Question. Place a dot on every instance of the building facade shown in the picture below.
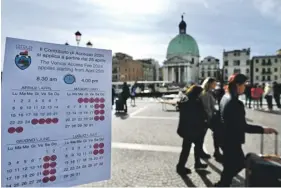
(266, 69)
(150, 69)
(156, 70)
(209, 67)
(124, 68)
(278, 52)
(182, 59)
(236, 61)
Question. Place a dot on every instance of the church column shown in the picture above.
(179, 70)
(184, 74)
(164, 73)
(173, 74)
(189, 73)
(167, 74)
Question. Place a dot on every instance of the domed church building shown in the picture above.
(182, 59)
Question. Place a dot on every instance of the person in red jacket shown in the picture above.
(256, 94)
(260, 93)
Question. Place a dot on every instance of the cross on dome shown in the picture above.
(182, 26)
(182, 45)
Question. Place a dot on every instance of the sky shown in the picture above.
(144, 28)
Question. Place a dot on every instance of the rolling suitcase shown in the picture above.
(119, 105)
(263, 170)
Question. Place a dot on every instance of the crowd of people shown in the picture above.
(218, 108)
(256, 93)
(198, 113)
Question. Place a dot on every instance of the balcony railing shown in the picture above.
(266, 80)
(266, 63)
(266, 72)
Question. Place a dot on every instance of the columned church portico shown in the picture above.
(180, 73)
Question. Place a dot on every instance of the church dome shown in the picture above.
(182, 44)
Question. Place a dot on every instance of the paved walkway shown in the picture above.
(145, 148)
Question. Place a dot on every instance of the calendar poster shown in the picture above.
(56, 114)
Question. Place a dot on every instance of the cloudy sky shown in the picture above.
(143, 28)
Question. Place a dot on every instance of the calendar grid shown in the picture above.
(56, 125)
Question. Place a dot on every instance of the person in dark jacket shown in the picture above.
(276, 94)
(113, 95)
(133, 94)
(192, 122)
(248, 96)
(234, 129)
(219, 92)
(125, 94)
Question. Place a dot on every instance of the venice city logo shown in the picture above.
(23, 60)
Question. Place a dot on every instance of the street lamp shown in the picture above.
(78, 37)
(66, 44)
(89, 44)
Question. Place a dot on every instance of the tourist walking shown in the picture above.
(276, 94)
(235, 126)
(125, 95)
(261, 91)
(113, 95)
(248, 97)
(268, 93)
(192, 123)
(256, 94)
(133, 94)
(219, 92)
(209, 103)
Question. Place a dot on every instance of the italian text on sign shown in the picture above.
(56, 114)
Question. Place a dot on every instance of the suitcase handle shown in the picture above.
(275, 144)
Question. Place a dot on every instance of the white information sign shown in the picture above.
(56, 114)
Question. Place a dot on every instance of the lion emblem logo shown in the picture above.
(23, 60)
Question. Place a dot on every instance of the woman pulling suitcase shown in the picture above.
(235, 127)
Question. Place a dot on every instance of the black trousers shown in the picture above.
(186, 146)
(217, 140)
(277, 100)
(125, 104)
(269, 102)
(233, 163)
(261, 99)
(248, 100)
(201, 141)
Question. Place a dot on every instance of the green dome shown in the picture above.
(182, 44)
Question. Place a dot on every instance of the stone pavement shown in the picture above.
(145, 148)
